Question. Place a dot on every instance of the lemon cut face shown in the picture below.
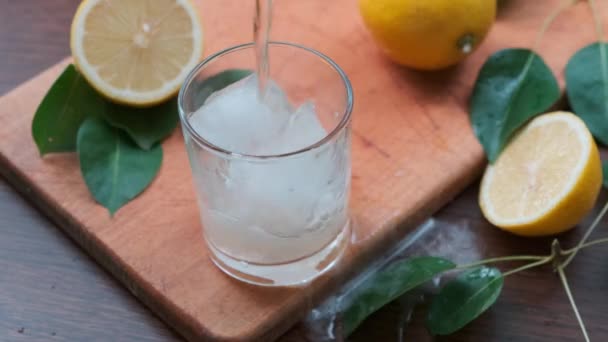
(546, 180)
(136, 52)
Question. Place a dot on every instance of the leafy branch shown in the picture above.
(463, 299)
(118, 147)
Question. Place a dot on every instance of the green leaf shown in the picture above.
(114, 169)
(605, 173)
(146, 126)
(68, 102)
(390, 284)
(587, 87)
(218, 82)
(464, 299)
(513, 86)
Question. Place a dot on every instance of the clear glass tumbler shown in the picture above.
(279, 219)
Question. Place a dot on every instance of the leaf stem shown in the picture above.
(501, 259)
(543, 261)
(586, 236)
(550, 19)
(562, 276)
(597, 20)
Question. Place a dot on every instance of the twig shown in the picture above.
(585, 245)
(586, 236)
(545, 260)
(501, 259)
(562, 276)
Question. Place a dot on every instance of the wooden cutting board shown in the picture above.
(413, 151)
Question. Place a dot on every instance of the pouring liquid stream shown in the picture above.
(261, 30)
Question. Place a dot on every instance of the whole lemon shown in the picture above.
(428, 34)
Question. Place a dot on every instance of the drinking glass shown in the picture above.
(282, 219)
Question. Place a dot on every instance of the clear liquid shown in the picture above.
(261, 30)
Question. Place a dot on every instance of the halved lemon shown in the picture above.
(136, 52)
(546, 180)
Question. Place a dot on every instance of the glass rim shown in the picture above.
(346, 115)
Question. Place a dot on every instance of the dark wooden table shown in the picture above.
(51, 291)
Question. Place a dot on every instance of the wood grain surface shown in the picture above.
(29, 310)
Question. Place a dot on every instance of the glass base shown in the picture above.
(295, 273)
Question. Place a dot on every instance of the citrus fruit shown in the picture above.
(136, 52)
(545, 180)
(428, 34)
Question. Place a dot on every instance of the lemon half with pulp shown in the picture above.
(546, 180)
(136, 52)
